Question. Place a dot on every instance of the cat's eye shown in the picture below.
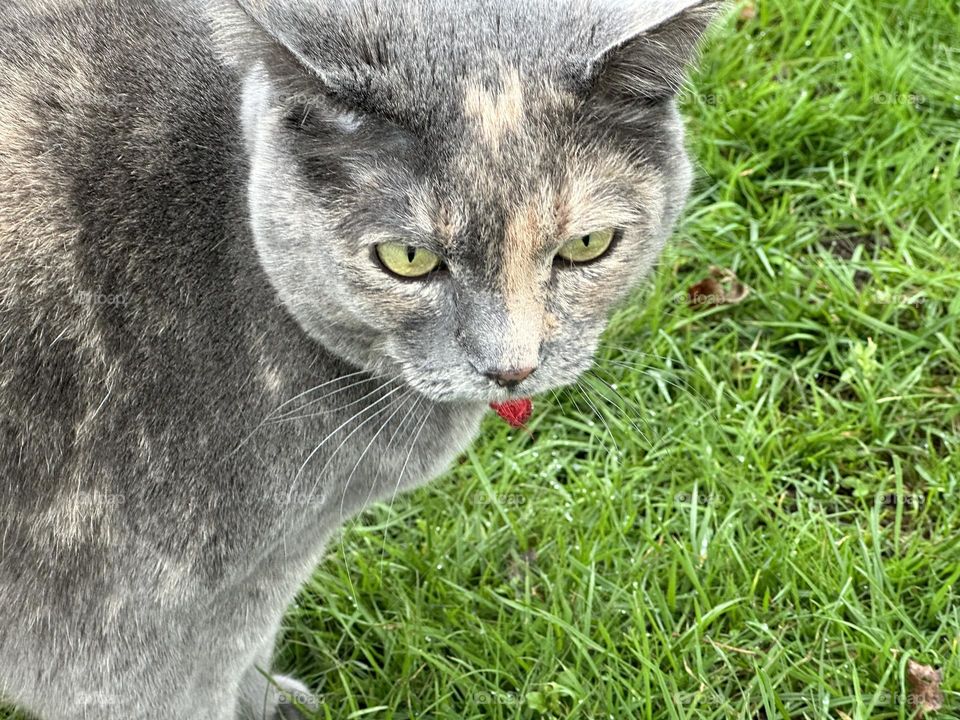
(586, 248)
(407, 261)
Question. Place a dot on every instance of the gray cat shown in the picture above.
(265, 262)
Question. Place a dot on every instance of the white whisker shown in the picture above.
(287, 417)
(403, 469)
(346, 485)
(594, 376)
(287, 402)
(596, 411)
(338, 429)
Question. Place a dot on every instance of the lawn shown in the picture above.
(749, 510)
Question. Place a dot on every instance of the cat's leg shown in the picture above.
(267, 696)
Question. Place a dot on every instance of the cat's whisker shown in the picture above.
(651, 370)
(397, 431)
(353, 432)
(403, 469)
(346, 485)
(328, 411)
(634, 365)
(592, 375)
(402, 424)
(403, 402)
(637, 357)
(267, 417)
(646, 361)
(680, 384)
(600, 416)
(317, 387)
(337, 430)
(577, 406)
(580, 411)
(331, 393)
(634, 351)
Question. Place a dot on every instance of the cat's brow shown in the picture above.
(605, 193)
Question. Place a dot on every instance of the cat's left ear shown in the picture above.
(650, 59)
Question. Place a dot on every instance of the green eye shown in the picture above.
(585, 248)
(407, 261)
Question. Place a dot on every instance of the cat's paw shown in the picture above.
(293, 696)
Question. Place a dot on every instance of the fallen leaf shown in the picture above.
(924, 683)
(721, 288)
(706, 292)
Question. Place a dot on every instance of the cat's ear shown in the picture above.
(263, 32)
(650, 58)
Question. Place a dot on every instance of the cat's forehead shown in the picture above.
(423, 62)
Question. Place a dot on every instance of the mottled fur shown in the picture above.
(203, 370)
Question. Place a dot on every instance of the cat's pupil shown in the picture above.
(586, 240)
(411, 253)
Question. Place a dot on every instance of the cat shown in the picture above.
(265, 262)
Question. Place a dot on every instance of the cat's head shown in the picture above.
(458, 193)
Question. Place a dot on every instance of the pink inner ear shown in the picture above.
(514, 412)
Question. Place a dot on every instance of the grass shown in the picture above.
(759, 516)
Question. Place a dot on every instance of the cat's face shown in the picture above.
(459, 193)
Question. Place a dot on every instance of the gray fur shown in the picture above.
(203, 371)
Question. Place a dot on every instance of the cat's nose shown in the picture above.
(511, 377)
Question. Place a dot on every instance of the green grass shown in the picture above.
(765, 523)
(762, 519)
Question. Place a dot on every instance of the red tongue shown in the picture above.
(515, 412)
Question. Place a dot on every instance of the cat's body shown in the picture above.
(179, 434)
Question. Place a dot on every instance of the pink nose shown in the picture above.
(509, 378)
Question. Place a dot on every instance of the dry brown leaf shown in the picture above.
(706, 292)
(721, 288)
(924, 682)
